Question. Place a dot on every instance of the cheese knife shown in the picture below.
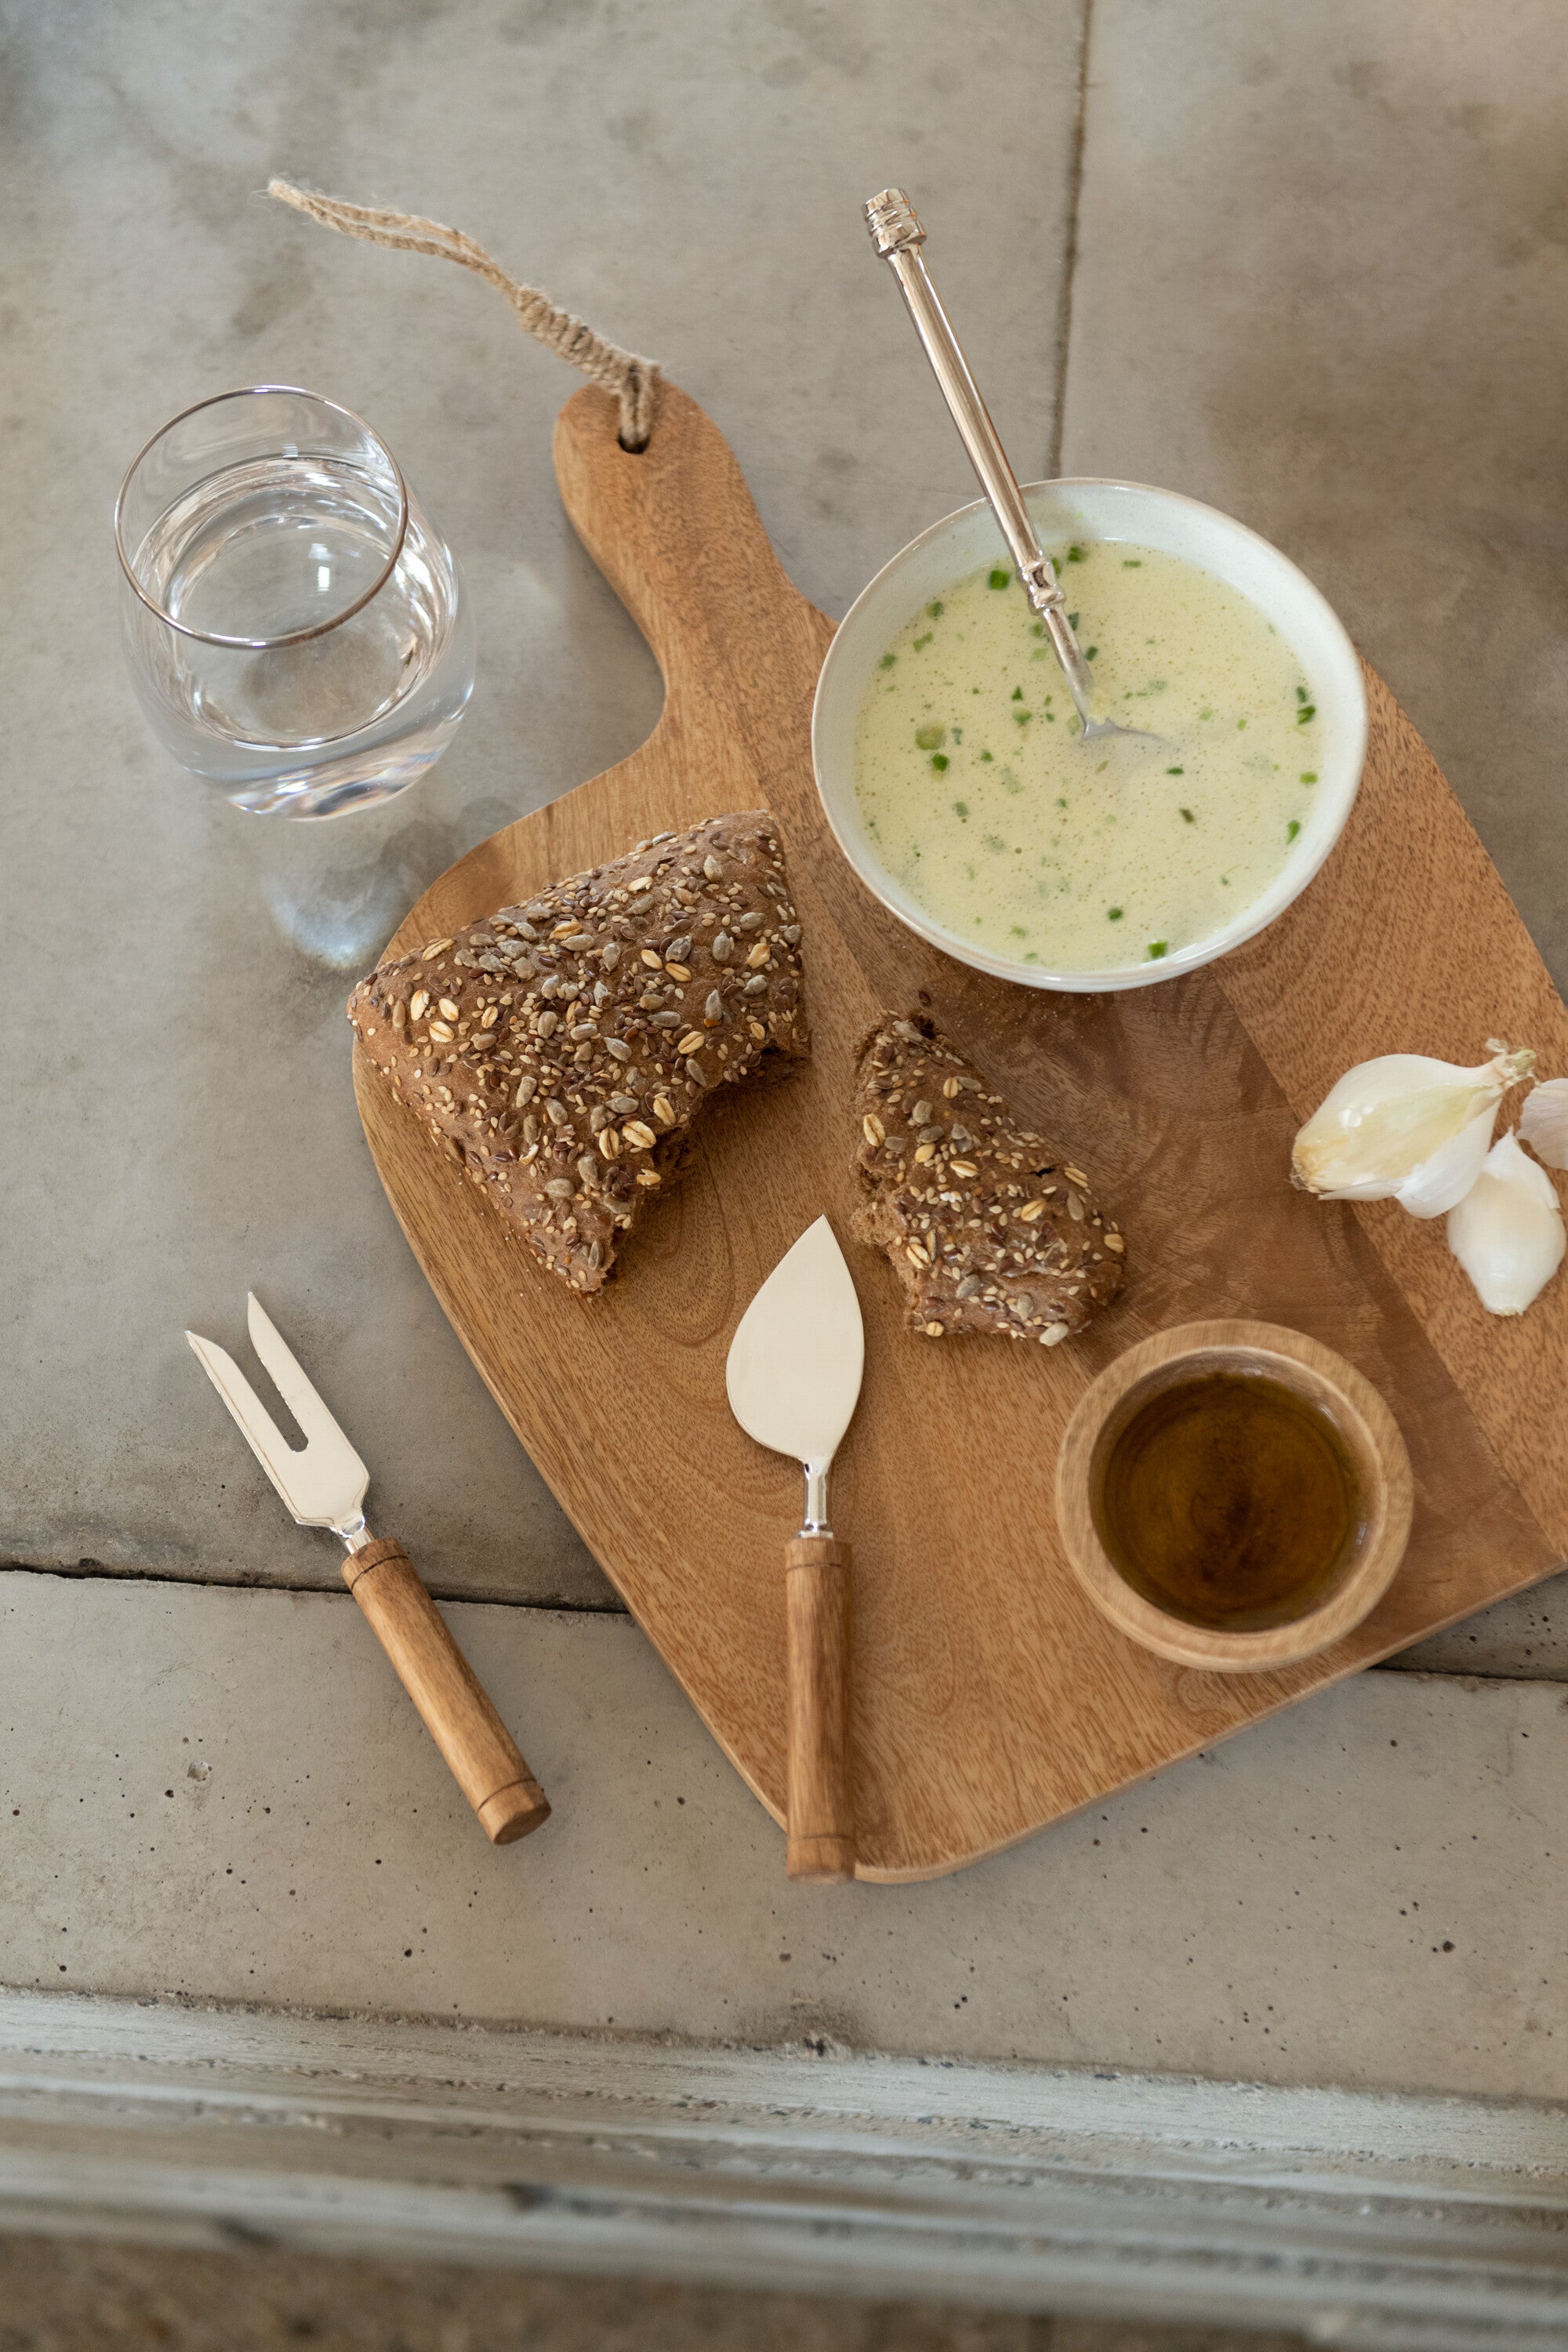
(794, 1379)
(323, 1484)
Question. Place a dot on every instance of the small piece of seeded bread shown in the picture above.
(988, 1227)
(562, 1048)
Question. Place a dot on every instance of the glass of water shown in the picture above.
(298, 633)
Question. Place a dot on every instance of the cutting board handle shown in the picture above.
(820, 1815)
(674, 529)
(484, 1760)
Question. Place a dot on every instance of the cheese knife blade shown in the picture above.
(797, 1356)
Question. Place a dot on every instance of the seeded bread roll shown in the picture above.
(562, 1049)
(988, 1227)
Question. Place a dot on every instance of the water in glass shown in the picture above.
(298, 633)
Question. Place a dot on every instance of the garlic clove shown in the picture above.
(1406, 1127)
(1544, 1121)
(1507, 1233)
(1439, 1182)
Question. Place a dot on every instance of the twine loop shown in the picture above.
(629, 376)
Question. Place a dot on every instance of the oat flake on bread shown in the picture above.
(987, 1226)
(561, 1049)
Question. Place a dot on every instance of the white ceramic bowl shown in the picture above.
(1132, 513)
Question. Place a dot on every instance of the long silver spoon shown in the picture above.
(897, 236)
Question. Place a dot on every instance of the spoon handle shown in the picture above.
(897, 236)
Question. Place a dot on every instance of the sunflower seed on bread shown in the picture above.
(561, 1049)
(987, 1226)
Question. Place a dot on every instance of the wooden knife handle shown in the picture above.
(470, 1735)
(821, 1798)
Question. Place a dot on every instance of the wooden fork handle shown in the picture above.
(484, 1758)
(821, 1798)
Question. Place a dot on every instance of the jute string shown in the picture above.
(630, 377)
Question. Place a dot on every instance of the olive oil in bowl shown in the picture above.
(1233, 1496)
(1230, 1500)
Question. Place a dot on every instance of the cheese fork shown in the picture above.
(323, 1484)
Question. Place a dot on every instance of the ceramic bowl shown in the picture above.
(1369, 1437)
(1129, 513)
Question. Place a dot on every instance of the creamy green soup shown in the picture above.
(1011, 833)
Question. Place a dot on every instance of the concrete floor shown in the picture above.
(221, 1795)
(65, 2298)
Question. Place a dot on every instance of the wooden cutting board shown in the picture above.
(990, 1698)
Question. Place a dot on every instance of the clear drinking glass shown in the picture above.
(298, 633)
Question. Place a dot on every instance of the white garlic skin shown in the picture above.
(1406, 1127)
(1544, 1121)
(1507, 1233)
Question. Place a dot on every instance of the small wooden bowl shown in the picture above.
(1365, 1428)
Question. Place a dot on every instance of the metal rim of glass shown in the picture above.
(294, 636)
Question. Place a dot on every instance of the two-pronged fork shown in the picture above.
(323, 1484)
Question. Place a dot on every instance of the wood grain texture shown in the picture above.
(820, 1788)
(1371, 1436)
(456, 1709)
(991, 1697)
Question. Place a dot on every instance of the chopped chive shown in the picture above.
(935, 609)
(1188, 817)
(929, 739)
(1300, 694)
(1132, 564)
(995, 841)
(1074, 555)
(1307, 710)
(1239, 725)
(1114, 914)
(1040, 628)
(939, 760)
(1017, 694)
(1089, 652)
(1292, 829)
(985, 755)
(1061, 803)
(1072, 620)
(1175, 771)
(887, 661)
(1022, 718)
(1156, 949)
(1206, 714)
(922, 642)
(1016, 931)
(961, 808)
(1309, 776)
(999, 578)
